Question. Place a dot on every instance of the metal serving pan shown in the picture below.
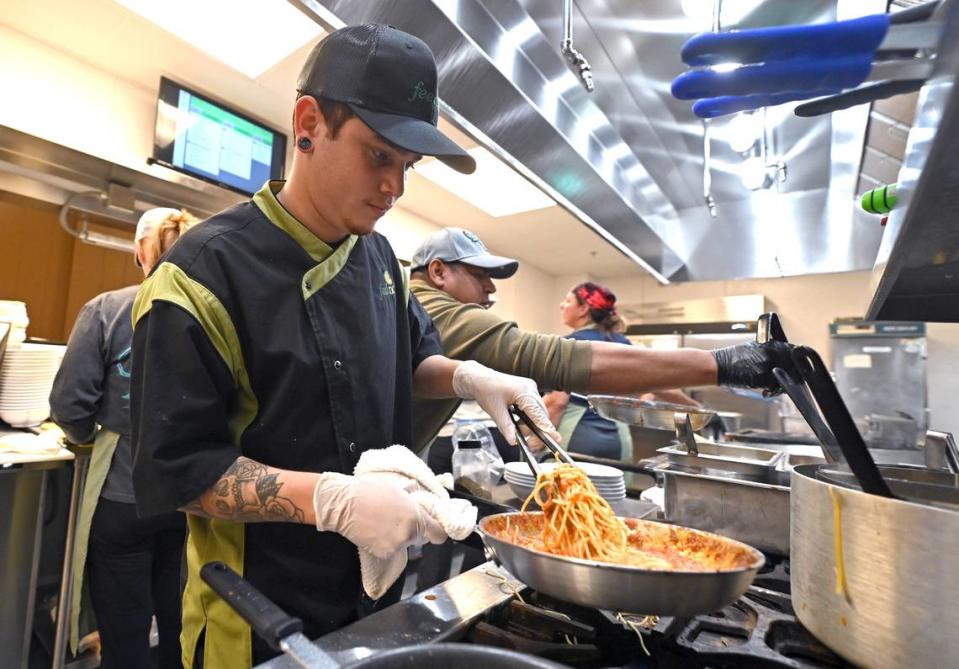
(753, 511)
(621, 588)
(648, 413)
(752, 462)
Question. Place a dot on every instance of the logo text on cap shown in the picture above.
(421, 93)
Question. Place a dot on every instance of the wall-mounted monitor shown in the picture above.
(209, 140)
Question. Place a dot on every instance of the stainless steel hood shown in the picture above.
(628, 158)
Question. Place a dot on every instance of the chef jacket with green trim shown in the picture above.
(253, 337)
(470, 332)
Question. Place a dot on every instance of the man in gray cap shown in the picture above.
(464, 267)
(452, 277)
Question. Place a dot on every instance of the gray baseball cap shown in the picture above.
(459, 245)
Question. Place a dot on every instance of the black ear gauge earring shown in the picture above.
(304, 144)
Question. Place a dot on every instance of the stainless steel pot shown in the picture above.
(622, 588)
(901, 587)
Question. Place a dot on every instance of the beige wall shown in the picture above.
(807, 304)
(55, 96)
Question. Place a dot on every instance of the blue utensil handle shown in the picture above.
(801, 74)
(762, 45)
(730, 104)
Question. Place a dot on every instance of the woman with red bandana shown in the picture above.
(590, 310)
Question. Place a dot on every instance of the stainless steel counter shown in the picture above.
(23, 485)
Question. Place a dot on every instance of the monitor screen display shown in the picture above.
(209, 140)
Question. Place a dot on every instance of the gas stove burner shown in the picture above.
(759, 630)
(573, 635)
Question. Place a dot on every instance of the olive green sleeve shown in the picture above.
(469, 332)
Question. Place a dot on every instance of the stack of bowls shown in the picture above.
(14, 313)
(608, 480)
(26, 377)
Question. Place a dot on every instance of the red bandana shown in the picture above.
(598, 299)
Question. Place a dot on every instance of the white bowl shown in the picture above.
(24, 418)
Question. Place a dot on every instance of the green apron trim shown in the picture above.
(570, 420)
(323, 273)
(330, 260)
(104, 445)
(171, 284)
(567, 424)
(265, 199)
(228, 641)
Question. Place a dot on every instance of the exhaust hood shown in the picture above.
(627, 159)
(733, 313)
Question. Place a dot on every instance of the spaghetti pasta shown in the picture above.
(578, 522)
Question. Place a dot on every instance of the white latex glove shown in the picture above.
(495, 392)
(374, 511)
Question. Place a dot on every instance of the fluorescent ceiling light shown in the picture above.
(494, 187)
(248, 36)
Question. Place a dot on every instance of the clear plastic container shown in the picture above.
(471, 469)
(474, 430)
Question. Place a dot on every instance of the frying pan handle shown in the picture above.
(266, 618)
(840, 422)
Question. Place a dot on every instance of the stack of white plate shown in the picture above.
(608, 480)
(14, 313)
(26, 377)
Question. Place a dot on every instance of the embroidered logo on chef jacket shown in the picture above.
(386, 288)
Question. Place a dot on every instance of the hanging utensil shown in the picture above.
(786, 63)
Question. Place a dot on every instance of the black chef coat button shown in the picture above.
(337, 364)
(308, 285)
(352, 447)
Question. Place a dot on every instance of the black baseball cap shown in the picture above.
(388, 78)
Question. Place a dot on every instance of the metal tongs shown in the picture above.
(518, 417)
(824, 409)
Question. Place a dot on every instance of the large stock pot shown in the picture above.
(898, 560)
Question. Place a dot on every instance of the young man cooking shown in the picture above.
(452, 276)
(276, 343)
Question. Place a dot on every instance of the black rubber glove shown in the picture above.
(751, 365)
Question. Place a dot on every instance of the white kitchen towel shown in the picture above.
(457, 517)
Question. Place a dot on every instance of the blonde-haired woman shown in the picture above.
(131, 564)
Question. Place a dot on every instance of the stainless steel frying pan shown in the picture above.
(624, 588)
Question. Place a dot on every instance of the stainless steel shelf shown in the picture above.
(916, 274)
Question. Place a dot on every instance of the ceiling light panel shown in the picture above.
(249, 36)
(495, 187)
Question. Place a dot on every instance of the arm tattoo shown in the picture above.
(247, 492)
